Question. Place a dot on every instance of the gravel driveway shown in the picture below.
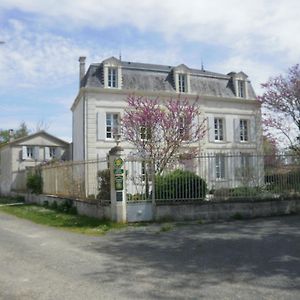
(256, 259)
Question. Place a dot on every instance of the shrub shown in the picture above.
(104, 184)
(180, 185)
(35, 182)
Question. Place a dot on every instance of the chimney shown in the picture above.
(81, 68)
(11, 135)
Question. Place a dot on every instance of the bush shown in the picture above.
(35, 182)
(104, 184)
(180, 185)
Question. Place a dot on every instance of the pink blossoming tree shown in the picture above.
(281, 104)
(162, 129)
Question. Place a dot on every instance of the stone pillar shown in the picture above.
(117, 185)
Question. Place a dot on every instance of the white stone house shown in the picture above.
(228, 101)
(20, 154)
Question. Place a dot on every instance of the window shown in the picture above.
(145, 133)
(182, 83)
(52, 152)
(112, 77)
(220, 166)
(244, 130)
(30, 152)
(112, 125)
(241, 88)
(219, 129)
(245, 165)
(183, 128)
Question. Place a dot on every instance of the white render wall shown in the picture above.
(102, 101)
(78, 130)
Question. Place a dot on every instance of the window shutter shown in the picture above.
(211, 129)
(24, 152)
(47, 153)
(236, 130)
(101, 126)
(58, 152)
(252, 135)
(36, 152)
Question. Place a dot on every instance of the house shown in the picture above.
(228, 101)
(20, 154)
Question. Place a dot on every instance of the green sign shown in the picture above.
(119, 183)
(118, 162)
(118, 171)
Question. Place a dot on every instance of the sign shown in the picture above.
(119, 183)
(118, 162)
(119, 196)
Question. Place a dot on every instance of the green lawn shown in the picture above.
(70, 222)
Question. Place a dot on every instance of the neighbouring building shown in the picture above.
(228, 101)
(18, 155)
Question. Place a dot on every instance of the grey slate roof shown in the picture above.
(151, 77)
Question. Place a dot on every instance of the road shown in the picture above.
(256, 259)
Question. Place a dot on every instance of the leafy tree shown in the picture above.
(18, 133)
(281, 102)
(161, 129)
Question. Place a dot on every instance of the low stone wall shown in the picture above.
(213, 211)
(207, 211)
(90, 209)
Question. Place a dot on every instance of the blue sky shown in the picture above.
(43, 40)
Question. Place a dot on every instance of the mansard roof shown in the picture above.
(159, 78)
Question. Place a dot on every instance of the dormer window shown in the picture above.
(112, 73)
(241, 88)
(181, 76)
(112, 77)
(239, 84)
(182, 83)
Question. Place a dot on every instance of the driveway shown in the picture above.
(256, 259)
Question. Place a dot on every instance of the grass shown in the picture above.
(70, 222)
(9, 200)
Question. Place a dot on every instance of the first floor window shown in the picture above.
(29, 151)
(145, 133)
(220, 166)
(219, 129)
(244, 131)
(52, 152)
(112, 125)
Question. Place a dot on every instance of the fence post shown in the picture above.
(117, 185)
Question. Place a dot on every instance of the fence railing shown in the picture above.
(207, 177)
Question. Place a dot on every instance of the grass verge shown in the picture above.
(70, 222)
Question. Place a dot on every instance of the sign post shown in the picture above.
(117, 179)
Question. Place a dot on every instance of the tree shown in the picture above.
(18, 133)
(281, 102)
(161, 129)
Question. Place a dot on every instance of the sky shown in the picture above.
(43, 39)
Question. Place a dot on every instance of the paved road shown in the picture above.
(257, 259)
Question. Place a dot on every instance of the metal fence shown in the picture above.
(207, 177)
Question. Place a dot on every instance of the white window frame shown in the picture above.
(182, 83)
(244, 130)
(29, 152)
(112, 121)
(219, 129)
(220, 166)
(112, 77)
(241, 88)
(145, 133)
(52, 152)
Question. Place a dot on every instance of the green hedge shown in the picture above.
(180, 185)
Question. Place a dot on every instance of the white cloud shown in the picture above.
(271, 26)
